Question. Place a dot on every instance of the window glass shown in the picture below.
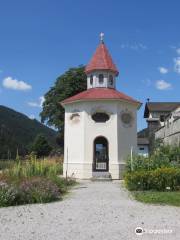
(91, 79)
(100, 117)
(110, 80)
(162, 118)
(101, 78)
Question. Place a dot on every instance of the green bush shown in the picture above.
(8, 194)
(62, 183)
(32, 190)
(163, 156)
(172, 153)
(147, 163)
(159, 179)
(137, 180)
(38, 190)
(34, 181)
(35, 190)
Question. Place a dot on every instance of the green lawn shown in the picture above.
(164, 198)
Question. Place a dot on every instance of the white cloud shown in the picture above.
(163, 85)
(33, 104)
(32, 116)
(178, 51)
(15, 84)
(134, 46)
(38, 103)
(177, 65)
(42, 99)
(163, 70)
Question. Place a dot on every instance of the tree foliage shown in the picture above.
(68, 84)
(41, 146)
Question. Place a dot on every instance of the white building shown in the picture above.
(100, 123)
(170, 132)
(155, 114)
(143, 147)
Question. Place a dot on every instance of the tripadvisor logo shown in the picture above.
(139, 231)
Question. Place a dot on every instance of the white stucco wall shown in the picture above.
(80, 135)
(170, 133)
(143, 150)
(107, 129)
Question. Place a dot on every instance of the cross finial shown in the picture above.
(101, 37)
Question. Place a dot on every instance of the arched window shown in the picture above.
(100, 117)
(110, 80)
(101, 78)
(91, 79)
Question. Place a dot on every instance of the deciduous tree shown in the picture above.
(68, 84)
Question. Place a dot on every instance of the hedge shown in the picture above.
(161, 179)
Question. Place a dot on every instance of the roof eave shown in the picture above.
(139, 104)
(103, 69)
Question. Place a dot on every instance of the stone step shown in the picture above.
(101, 179)
(101, 176)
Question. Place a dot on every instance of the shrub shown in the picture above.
(8, 194)
(33, 190)
(38, 190)
(171, 154)
(163, 156)
(34, 181)
(137, 180)
(62, 183)
(147, 163)
(159, 179)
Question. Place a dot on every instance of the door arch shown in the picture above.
(101, 154)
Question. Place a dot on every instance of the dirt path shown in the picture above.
(93, 210)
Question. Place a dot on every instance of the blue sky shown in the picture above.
(41, 39)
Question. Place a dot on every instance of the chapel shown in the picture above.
(100, 123)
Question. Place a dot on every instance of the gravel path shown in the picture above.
(93, 210)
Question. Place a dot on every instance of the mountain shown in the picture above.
(17, 131)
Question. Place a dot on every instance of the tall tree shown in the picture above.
(41, 146)
(68, 84)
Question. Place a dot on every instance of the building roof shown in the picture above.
(101, 60)
(143, 141)
(160, 107)
(143, 133)
(100, 94)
